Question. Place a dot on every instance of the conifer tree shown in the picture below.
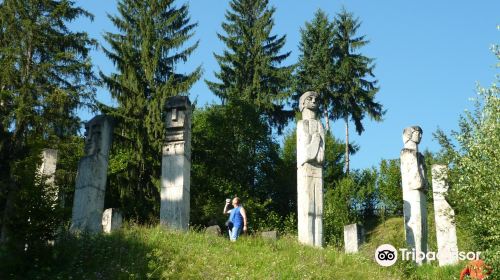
(45, 76)
(315, 69)
(234, 152)
(250, 68)
(150, 44)
(355, 92)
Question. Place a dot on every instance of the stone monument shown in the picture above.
(88, 202)
(414, 189)
(48, 167)
(176, 164)
(111, 220)
(446, 233)
(47, 170)
(270, 235)
(310, 155)
(213, 230)
(353, 238)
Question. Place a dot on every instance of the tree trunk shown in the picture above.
(327, 121)
(347, 146)
(7, 214)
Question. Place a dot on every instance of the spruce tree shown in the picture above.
(234, 152)
(45, 76)
(315, 68)
(355, 91)
(150, 44)
(250, 68)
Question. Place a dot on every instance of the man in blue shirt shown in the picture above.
(238, 218)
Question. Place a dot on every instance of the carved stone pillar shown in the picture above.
(48, 172)
(91, 178)
(446, 233)
(176, 164)
(310, 156)
(414, 189)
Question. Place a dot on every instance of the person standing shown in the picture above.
(237, 218)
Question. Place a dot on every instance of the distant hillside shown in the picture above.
(154, 253)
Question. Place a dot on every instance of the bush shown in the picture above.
(474, 176)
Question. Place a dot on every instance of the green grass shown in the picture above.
(391, 232)
(155, 253)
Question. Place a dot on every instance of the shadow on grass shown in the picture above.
(117, 256)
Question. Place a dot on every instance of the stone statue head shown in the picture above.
(98, 134)
(309, 100)
(412, 134)
(178, 118)
(92, 138)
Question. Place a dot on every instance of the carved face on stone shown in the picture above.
(413, 134)
(309, 100)
(416, 136)
(176, 118)
(92, 138)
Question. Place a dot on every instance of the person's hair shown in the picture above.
(238, 200)
(303, 98)
(407, 132)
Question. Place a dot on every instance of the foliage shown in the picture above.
(146, 50)
(284, 199)
(233, 151)
(231, 156)
(316, 66)
(45, 77)
(351, 199)
(389, 187)
(329, 64)
(355, 92)
(474, 160)
(250, 70)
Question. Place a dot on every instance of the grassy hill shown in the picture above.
(155, 253)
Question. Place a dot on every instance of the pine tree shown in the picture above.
(45, 76)
(315, 69)
(355, 92)
(149, 45)
(250, 68)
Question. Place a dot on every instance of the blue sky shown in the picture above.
(429, 57)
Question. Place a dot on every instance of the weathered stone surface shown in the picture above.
(270, 235)
(48, 167)
(91, 178)
(48, 171)
(353, 237)
(111, 220)
(213, 230)
(310, 155)
(446, 233)
(414, 188)
(176, 164)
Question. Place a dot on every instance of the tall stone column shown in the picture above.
(48, 172)
(91, 178)
(310, 155)
(414, 189)
(48, 167)
(446, 233)
(176, 165)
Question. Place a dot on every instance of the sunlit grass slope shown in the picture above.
(155, 253)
